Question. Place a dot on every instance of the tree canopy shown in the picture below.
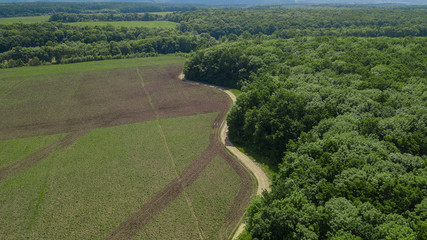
(344, 118)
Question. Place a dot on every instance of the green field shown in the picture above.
(94, 184)
(147, 24)
(124, 131)
(35, 19)
(158, 13)
(211, 194)
(14, 149)
(85, 66)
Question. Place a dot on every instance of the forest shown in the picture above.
(334, 97)
(56, 42)
(46, 8)
(344, 118)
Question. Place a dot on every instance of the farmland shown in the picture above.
(35, 19)
(146, 24)
(115, 149)
(131, 24)
(330, 99)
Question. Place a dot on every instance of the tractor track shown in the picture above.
(131, 226)
(34, 158)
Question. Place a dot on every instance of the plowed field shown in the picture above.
(109, 147)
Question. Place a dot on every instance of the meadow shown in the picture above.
(211, 196)
(32, 19)
(131, 24)
(87, 147)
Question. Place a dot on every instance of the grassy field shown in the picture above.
(15, 149)
(186, 141)
(125, 130)
(35, 19)
(158, 13)
(211, 195)
(147, 24)
(40, 19)
(93, 185)
(86, 66)
(236, 92)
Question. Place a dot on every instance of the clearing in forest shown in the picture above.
(133, 24)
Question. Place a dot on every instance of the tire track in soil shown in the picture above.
(34, 158)
(171, 158)
(242, 199)
(262, 180)
(161, 200)
(131, 226)
(148, 211)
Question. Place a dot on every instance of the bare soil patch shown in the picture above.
(78, 102)
(157, 204)
(86, 100)
(161, 200)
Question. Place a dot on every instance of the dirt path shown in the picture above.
(262, 179)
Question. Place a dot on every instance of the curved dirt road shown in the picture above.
(262, 179)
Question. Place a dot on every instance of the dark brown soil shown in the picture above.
(99, 99)
(78, 103)
(131, 226)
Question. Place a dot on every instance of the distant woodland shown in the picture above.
(47, 8)
(55, 42)
(333, 98)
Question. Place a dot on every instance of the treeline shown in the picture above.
(223, 24)
(44, 8)
(345, 121)
(303, 21)
(41, 34)
(57, 43)
(71, 17)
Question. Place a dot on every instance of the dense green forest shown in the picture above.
(33, 44)
(47, 8)
(72, 17)
(290, 22)
(335, 98)
(344, 118)
(284, 22)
